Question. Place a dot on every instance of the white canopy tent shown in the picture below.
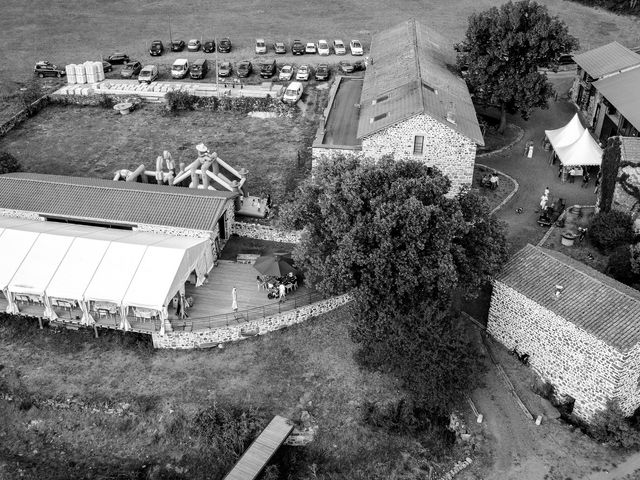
(91, 264)
(574, 145)
(561, 137)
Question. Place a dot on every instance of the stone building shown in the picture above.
(620, 187)
(605, 90)
(411, 105)
(126, 205)
(580, 328)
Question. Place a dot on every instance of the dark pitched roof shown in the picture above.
(607, 59)
(630, 149)
(600, 305)
(623, 91)
(411, 74)
(116, 202)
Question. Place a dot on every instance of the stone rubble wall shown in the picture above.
(444, 148)
(6, 212)
(265, 232)
(175, 231)
(572, 360)
(629, 386)
(233, 333)
(623, 201)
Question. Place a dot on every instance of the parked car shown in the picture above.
(566, 59)
(322, 72)
(177, 45)
(346, 67)
(303, 72)
(261, 46)
(280, 47)
(194, 45)
(224, 45)
(338, 47)
(180, 68)
(268, 69)
(293, 92)
(209, 46)
(148, 74)
(297, 48)
(359, 65)
(48, 69)
(323, 47)
(244, 69)
(286, 72)
(224, 69)
(106, 66)
(156, 49)
(117, 57)
(356, 47)
(311, 48)
(131, 69)
(199, 68)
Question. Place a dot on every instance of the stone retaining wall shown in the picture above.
(571, 359)
(233, 333)
(22, 115)
(6, 212)
(265, 232)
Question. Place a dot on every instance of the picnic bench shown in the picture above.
(249, 258)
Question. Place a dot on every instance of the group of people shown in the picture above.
(277, 287)
(490, 180)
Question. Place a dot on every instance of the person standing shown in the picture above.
(585, 179)
(543, 202)
(282, 290)
(572, 173)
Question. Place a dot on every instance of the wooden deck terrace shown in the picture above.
(211, 303)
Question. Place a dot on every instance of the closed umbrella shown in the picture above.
(274, 265)
(234, 302)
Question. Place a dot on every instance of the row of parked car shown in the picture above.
(194, 45)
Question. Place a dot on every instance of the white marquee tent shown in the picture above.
(81, 264)
(574, 145)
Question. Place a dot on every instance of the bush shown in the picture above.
(611, 426)
(9, 163)
(180, 101)
(609, 230)
(397, 417)
(619, 266)
(105, 101)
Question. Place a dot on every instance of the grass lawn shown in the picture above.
(95, 142)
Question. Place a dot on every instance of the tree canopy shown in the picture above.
(388, 233)
(9, 163)
(502, 51)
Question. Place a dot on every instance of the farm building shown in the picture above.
(410, 104)
(620, 188)
(579, 327)
(605, 90)
(125, 205)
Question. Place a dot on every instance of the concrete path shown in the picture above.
(534, 174)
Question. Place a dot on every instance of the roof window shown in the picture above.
(380, 99)
(378, 117)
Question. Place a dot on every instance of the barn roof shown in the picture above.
(622, 92)
(600, 305)
(106, 201)
(607, 59)
(411, 73)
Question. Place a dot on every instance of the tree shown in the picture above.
(9, 163)
(503, 49)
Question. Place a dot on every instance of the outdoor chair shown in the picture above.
(291, 286)
(103, 313)
(23, 299)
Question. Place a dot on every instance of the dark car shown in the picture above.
(566, 59)
(177, 45)
(209, 46)
(48, 69)
(106, 66)
(297, 48)
(224, 45)
(199, 68)
(346, 67)
(117, 57)
(224, 69)
(359, 66)
(267, 69)
(131, 69)
(322, 72)
(244, 69)
(157, 48)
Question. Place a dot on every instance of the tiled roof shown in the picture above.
(630, 147)
(411, 73)
(116, 202)
(623, 91)
(607, 59)
(598, 304)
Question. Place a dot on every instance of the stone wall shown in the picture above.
(318, 153)
(233, 333)
(629, 386)
(5, 212)
(574, 361)
(23, 114)
(589, 112)
(444, 148)
(629, 176)
(265, 232)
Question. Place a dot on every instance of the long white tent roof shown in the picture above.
(563, 136)
(574, 144)
(91, 263)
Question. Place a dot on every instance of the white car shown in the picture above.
(286, 72)
(261, 46)
(303, 72)
(356, 47)
(293, 92)
(310, 48)
(338, 47)
(323, 47)
(148, 74)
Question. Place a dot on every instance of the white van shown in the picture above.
(293, 92)
(180, 68)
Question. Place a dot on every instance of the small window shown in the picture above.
(382, 98)
(379, 117)
(418, 145)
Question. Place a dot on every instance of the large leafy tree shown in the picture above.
(388, 233)
(503, 49)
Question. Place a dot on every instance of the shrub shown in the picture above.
(397, 417)
(9, 163)
(180, 101)
(619, 266)
(611, 426)
(105, 101)
(609, 230)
